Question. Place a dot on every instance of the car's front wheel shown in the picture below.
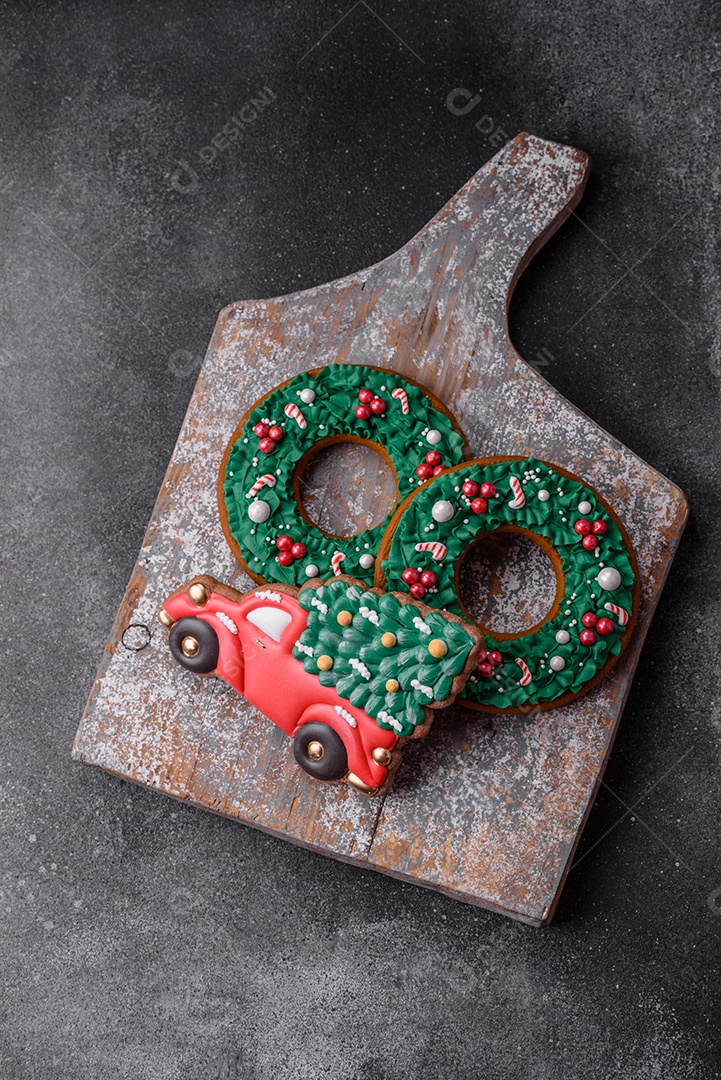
(320, 751)
(194, 644)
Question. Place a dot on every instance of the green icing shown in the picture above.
(554, 520)
(362, 664)
(331, 414)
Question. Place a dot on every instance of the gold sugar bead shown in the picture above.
(199, 593)
(345, 618)
(325, 663)
(437, 648)
(388, 640)
(392, 686)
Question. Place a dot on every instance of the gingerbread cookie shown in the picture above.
(597, 577)
(259, 483)
(348, 672)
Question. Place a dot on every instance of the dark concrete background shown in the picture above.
(143, 939)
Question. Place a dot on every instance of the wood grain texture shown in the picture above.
(486, 812)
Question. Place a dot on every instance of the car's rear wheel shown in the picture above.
(194, 644)
(320, 751)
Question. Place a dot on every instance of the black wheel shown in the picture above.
(320, 751)
(194, 644)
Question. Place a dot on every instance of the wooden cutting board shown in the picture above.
(487, 811)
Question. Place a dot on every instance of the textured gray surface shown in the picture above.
(142, 938)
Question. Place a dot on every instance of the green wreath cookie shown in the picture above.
(259, 482)
(597, 578)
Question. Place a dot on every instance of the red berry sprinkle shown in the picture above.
(284, 542)
(378, 406)
(429, 579)
(485, 670)
(276, 433)
(588, 620)
(479, 506)
(495, 658)
(298, 550)
(604, 626)
(266, 446)
(587, 637)
(470, 489)
(482, 656)
(424, 471)
(285, 558)
(599, 528)
(439, 469)
(410, 576)
(583, 527)
(362, 412)
(418, 591)
(590, 542)
(366, 396)
(433, 457)
(488, 490)
(261, 430)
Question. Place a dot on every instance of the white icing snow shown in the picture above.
(360, 667)
(427, 690)
(346, 715)
(227, 621)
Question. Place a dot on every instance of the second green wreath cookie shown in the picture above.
(259, 483)
(597, 592)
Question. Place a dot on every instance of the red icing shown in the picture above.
(265, 672)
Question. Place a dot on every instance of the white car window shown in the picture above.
(272, 621)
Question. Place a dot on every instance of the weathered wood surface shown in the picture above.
(486, 812)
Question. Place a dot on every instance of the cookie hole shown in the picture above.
(507, 583)
(346, 488)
